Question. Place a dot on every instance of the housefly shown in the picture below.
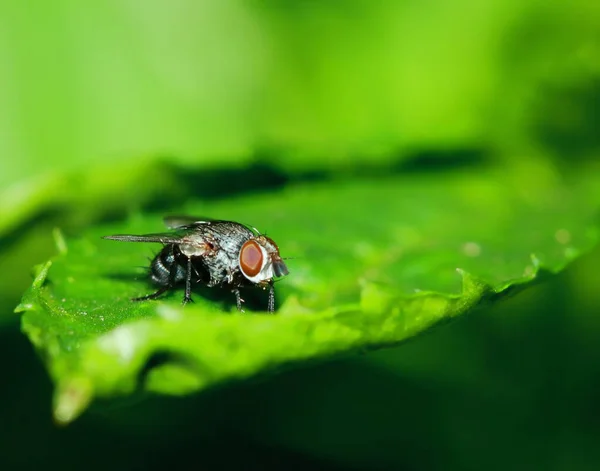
(214, 253)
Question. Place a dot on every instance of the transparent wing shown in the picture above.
(185, 222)
(192, 244)
(163, 238)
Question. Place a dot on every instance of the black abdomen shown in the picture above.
(168, 267)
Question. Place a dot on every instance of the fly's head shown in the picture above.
(260, 262)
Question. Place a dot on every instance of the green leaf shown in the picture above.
(375, 262)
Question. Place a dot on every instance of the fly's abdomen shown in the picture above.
(166, 269)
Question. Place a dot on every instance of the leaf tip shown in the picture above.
(28, 300)
(41, 272)
(23, 306)
(71, 398)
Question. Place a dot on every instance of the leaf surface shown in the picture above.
(374, 262)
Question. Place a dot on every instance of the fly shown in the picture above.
(214, 253)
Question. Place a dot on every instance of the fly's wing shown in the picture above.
(182, 237)
(162, 237)
(185, 222)
(189, 242)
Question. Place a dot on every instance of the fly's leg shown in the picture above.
(155, 295)
(167, 282)
(188, 283)
(238, 299)
(271, 305)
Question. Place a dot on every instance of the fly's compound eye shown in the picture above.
(251, 259)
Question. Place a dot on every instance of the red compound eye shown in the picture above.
(251, 258)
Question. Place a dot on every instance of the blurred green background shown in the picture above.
(111, 106)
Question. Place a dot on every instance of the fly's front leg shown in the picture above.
(271, 305)
(238, 299)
